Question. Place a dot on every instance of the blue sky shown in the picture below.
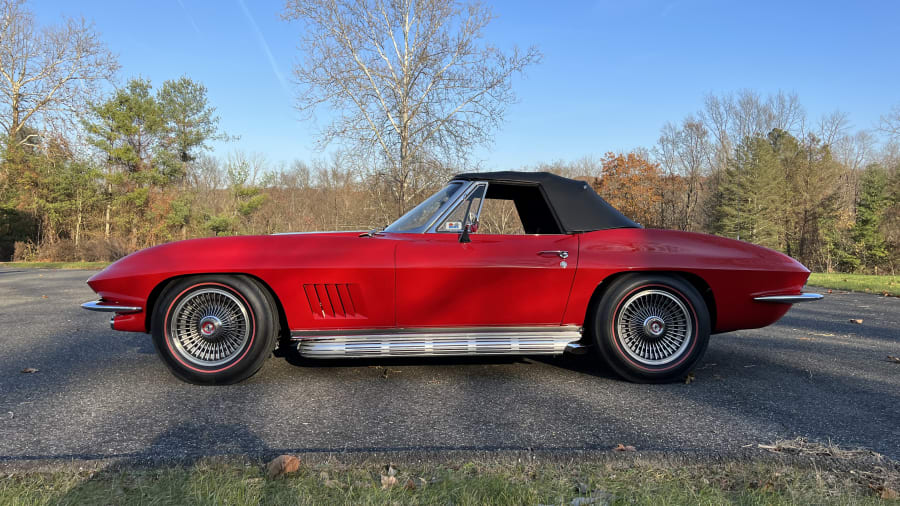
(613, 72)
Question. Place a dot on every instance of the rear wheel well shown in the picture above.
(160, 288)
(696, 281)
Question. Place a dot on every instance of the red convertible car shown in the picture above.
(448, 278)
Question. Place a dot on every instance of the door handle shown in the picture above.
(554, 253)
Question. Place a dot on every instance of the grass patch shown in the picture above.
(857, 282)
(509, 481)
(53, 265)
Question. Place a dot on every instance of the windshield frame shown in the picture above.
(451, 202)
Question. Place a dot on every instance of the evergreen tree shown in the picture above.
(874, 199)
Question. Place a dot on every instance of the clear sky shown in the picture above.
(613, 72)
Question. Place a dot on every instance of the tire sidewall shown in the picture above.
(611, 348)
(253, 355)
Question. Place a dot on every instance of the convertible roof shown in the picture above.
(576, 204)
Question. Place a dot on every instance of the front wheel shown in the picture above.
(214, 329)
(651, 328)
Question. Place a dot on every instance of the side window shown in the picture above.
(517, 209)
(470, 206)
(499, 216)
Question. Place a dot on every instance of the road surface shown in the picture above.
(101, 394)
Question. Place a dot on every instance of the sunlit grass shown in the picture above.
(857, 282)
(517, 481)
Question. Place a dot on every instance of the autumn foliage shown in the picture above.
(631, 184)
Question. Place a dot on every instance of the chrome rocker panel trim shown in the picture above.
(789, 299)
(438, 342)
(99, 305)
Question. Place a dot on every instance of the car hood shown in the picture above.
(224, 254)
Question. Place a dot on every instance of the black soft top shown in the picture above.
(576, 204)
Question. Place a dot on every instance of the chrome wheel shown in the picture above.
(209, 326)
(654, 327)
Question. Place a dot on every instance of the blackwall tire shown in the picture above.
(651, 328)
(214, 330)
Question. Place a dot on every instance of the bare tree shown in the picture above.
(47, 73)
(414, 81)
(686, 153)
(890, 123)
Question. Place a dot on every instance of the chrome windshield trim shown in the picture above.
(789, 299)
(99, 305)
(451, 202)
(472, 188)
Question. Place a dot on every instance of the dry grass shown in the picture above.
(787, 472)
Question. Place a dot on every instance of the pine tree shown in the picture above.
(870, 244)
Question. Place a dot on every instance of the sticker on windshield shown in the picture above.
(453, 226)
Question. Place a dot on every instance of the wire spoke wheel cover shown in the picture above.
(209, 326)
(654, 327)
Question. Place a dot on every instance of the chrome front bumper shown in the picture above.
(99, 305)
(789, 299)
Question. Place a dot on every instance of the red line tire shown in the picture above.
(214, 329)
(651, 328)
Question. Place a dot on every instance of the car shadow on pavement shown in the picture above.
(588, 363)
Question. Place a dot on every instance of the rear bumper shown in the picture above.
(789, 299)
(99, 305)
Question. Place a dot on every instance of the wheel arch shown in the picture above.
(160, 288)
(696, 281)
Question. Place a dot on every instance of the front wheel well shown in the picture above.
(696, 281)
(160, 288)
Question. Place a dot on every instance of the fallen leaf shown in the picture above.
(30, 370)
(44, 297)
(689, 378)
(890, 358)
(332, 484)
(856, 320)
(410, 484)
(889, 493)
(829, 291)
(624, 448)
(388, 481)
(281, 465)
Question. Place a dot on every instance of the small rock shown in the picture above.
(281, 465)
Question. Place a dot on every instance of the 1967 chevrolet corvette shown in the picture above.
(577, 275)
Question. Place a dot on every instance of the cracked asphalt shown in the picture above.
(100, 394)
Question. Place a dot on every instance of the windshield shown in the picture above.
(422, 214)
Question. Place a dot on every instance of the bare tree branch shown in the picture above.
(411, 80)
(46, 75)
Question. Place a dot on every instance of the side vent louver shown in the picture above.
(334, 300)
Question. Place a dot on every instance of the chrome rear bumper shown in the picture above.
(99, 305)
(789, 299)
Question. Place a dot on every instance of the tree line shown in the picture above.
(92, 171)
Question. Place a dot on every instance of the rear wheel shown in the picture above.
(214, 329)
(651, 328)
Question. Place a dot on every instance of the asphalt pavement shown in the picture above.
(100, 394)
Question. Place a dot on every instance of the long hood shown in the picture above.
(229, 254)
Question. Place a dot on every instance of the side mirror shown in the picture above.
(464, 236)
